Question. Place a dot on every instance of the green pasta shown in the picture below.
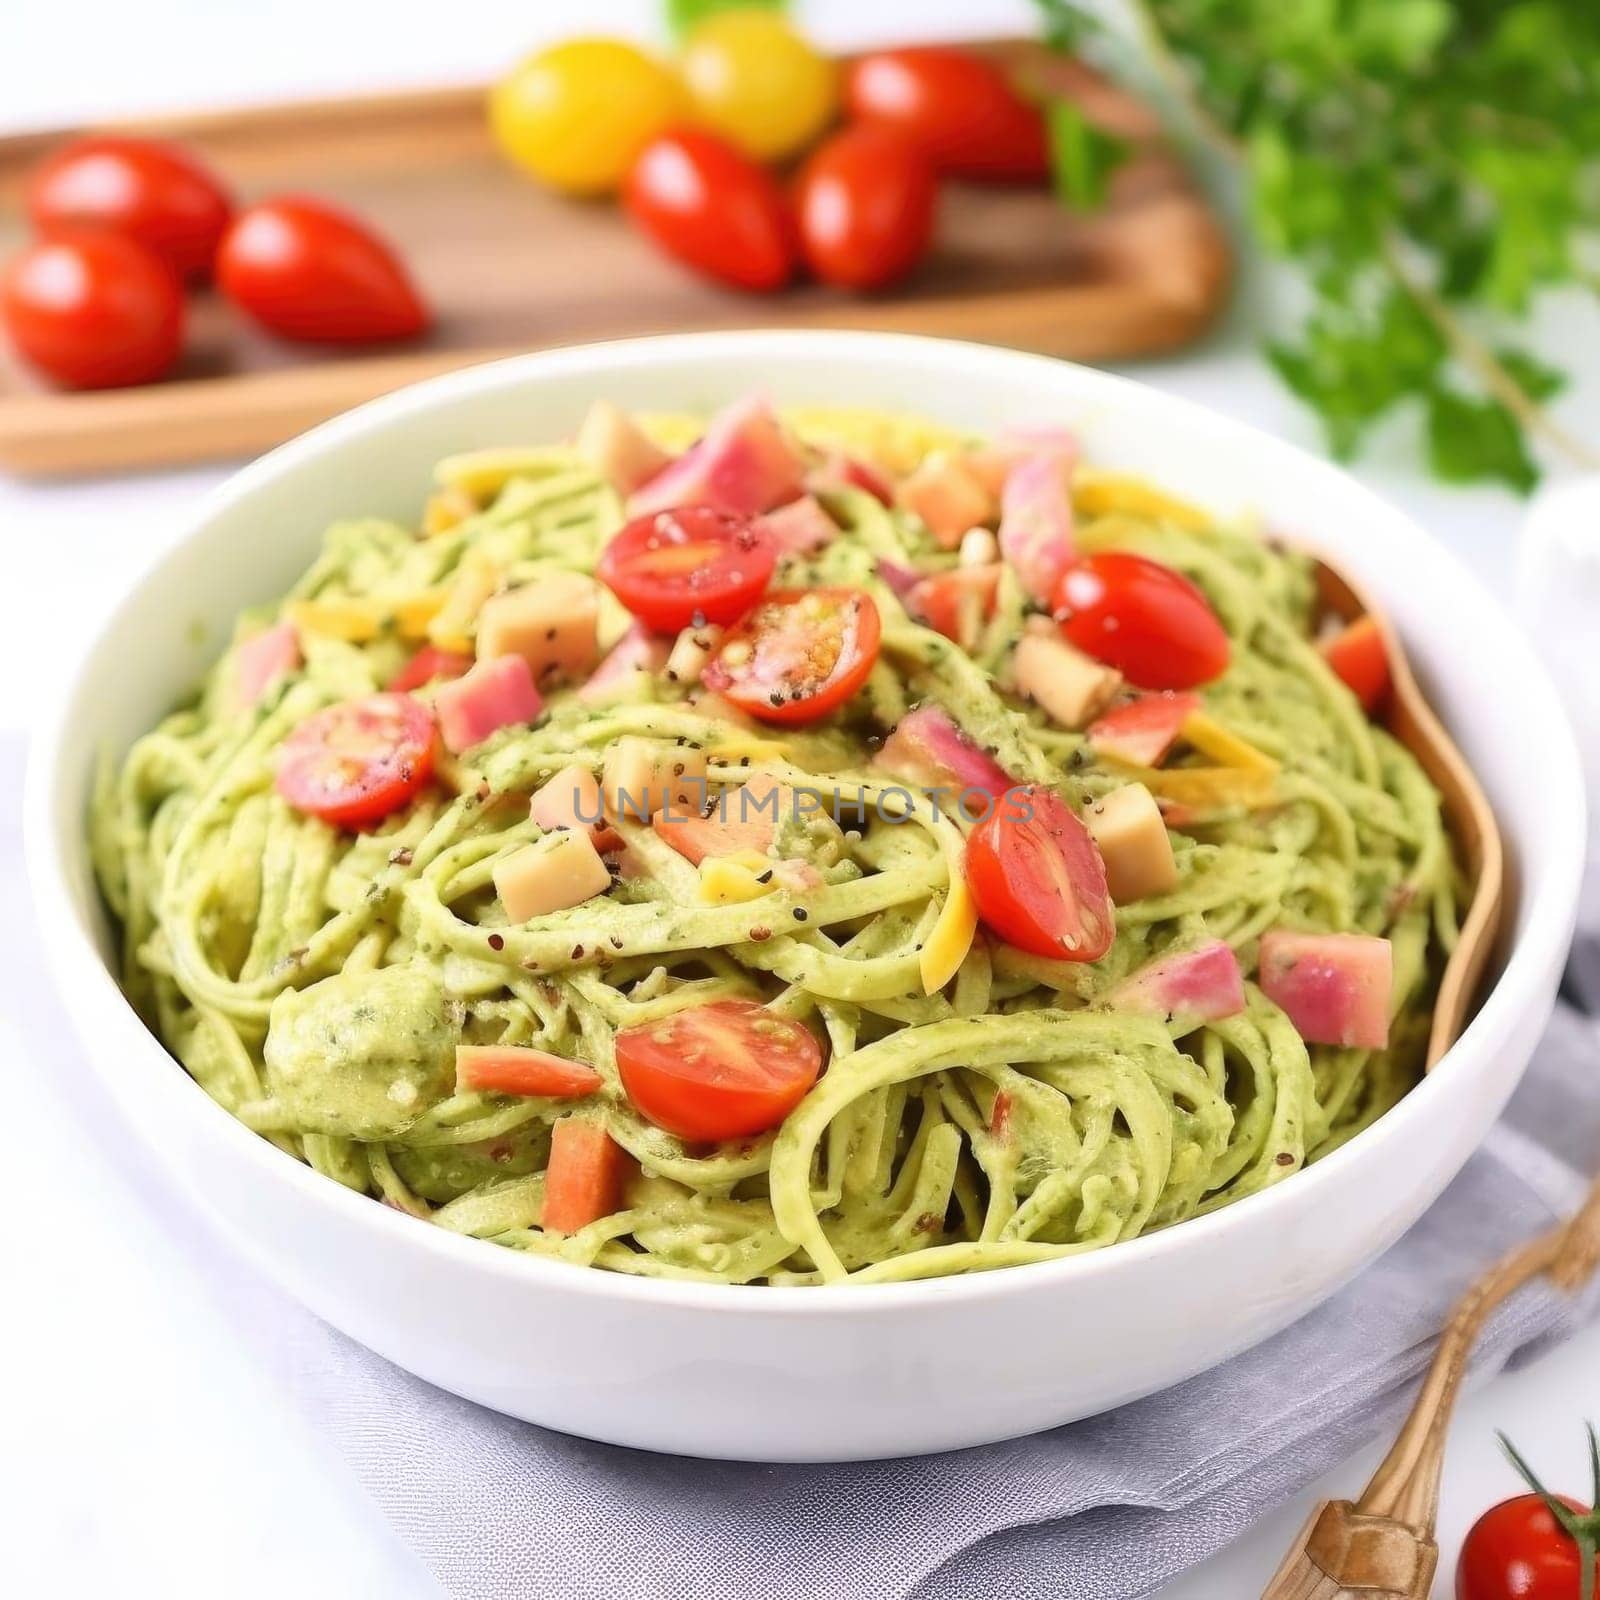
(1014, 1115)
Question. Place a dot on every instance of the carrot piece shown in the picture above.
(584, 1179)
(516, 1069)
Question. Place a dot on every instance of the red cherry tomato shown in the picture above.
(1142, 618)
(353, 763)
(152, 192)
(429, 663)
(671, 567)
(959, 107)
(1518, 1551)
(866, 203)
(1357, 655)
(1038, 879)
(719, 1071)
(305, 270)
(798, 654)
(94, 310)
(713, 208)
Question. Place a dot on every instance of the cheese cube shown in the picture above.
(618, 448)
(1133, 842)
(571, 799)
(643, 776)
(550, 623)
(1069, 686)
(691, 650)
(551, 874)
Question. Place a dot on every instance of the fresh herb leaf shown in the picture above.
(1082, 156)
(1430, 165)
(682, 15)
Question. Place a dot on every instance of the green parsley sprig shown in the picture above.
(1432, 165)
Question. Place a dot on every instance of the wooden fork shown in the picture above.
(1382, 1546)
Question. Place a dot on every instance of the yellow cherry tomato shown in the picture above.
(577, 114)
(755, 81)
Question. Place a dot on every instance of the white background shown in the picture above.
(147, 1448)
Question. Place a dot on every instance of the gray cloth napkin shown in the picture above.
(1110, 1507)
(1106, 1508)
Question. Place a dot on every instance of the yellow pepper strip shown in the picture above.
(1223, 745)
(446, 508)
(947, 945)
(357, 621)
(1207, 788)
(413, 614)
(726, 880)
(1101, 494)
(454, 622)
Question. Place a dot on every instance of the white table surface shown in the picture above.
(148, 1451)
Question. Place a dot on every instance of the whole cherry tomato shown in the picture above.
(959, 107)
(153, 192)
(308, 271)
(1144, 619)
(1518, 1551)
(754, 80)
(577, 114)
(671, 567)
(719, 1071)
(1038, 878)
(93, 310)
(866, 203)
(713, 208)
(798, 655)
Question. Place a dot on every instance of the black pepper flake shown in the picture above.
(1285, 1158)
(496, 942)
(764, 877)
(550, 634)
(775, 698)
(800, 913)
(577, 952)
(760, 935)
(616, 941)
(400, 858)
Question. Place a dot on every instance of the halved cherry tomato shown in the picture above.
(719, 1071)
(428, 664)
(798, 655)
(145, 189)
(683, 568)
(353, 763)
(1038, 879)
(959, 107)
(1518, 1551)
(1358, 657)
(1144, 619)
(956, 603)
(866, 202)
(517, 1069)
(585, 1178)
(713, 208)
(94, 310)
(306, 270)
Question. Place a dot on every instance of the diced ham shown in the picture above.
(261, 660)
(955, 603)
(1187, 987)
(902, 580)
(550, 623)
(584, 1179)
(618, 448)
(929, 750)
(842, 471)
(948, 498)
(1069, 686)
(517, 1069)
(554, 873)
(744, 465)
(800, 527)
(1144, 729)
(638, 650)
(1128, 830)
(1334, 987)
(494, 694)
(690, 652)
(569, 799)
(1036, 522)
(992, 462)
(743, 819)
(643, 776)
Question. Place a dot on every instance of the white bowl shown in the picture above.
(842, 1372)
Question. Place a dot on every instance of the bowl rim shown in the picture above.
(54, 840)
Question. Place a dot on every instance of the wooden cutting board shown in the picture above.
(509, 267)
